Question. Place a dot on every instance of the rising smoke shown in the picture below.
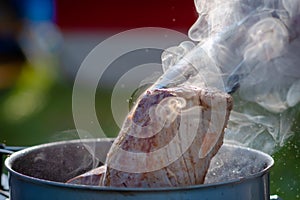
(250, 48)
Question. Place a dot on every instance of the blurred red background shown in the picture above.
(120, 15)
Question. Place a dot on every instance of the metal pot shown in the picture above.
(39, 172)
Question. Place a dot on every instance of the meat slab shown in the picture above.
(169, 138)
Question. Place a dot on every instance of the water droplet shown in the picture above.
(258, 99)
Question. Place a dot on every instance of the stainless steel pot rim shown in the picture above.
(9, 161)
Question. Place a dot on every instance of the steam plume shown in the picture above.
(250, 48)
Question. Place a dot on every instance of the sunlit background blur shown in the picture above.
(43, 43)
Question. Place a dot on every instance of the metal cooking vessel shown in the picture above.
(39, 172)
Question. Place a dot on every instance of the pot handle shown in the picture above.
(3, 193)
(4, 151)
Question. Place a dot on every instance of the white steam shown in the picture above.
(250, 48)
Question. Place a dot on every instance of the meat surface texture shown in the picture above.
(169, 138)
(91, 177)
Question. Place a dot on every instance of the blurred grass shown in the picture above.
(285, 175)
(38, 127)
(54, 121)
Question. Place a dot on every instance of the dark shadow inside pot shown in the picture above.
(61, 161)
